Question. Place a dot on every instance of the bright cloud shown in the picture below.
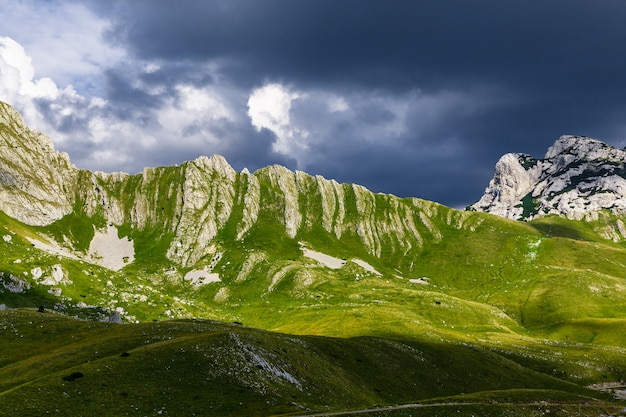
(203, 102)
(193, 115)
(304, 122)
(21, 89)
(269, 108)
(18, 72)
(17, 85)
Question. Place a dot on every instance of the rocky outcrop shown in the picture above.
(577, 178)
(208, 196)
(33, 176)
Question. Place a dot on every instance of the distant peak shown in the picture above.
(578, 177)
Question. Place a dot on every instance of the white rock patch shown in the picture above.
(56, 291)
(327, 260)
(36, 273)
(55, 276)
(199, 277)
(366, 266)
(52, 248)
(108, 250)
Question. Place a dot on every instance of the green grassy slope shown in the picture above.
(52, 364)
(474, 276)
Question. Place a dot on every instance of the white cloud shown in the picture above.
(269, 108)
(17, 86)
(202, 102)
(18, 72)
(192, 115)
(306, 121)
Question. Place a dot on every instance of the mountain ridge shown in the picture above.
(196, 199)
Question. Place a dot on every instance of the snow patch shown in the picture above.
(335, 263)
(52, 248)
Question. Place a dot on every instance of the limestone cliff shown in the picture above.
(33, 177)
(578, 178)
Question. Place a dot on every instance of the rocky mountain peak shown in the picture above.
(578, 177)
(580, 147)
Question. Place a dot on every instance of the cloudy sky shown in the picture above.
(409, 97)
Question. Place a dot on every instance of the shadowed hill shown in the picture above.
(200, 367)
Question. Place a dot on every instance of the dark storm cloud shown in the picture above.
(489, 77)
(393, 43)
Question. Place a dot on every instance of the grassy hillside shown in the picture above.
(56, 365)
(473, 276)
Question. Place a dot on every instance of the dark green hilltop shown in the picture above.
(198, 290)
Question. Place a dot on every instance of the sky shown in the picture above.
(414, 98)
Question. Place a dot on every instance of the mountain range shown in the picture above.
(201, 258)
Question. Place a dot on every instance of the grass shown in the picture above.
(53, 364)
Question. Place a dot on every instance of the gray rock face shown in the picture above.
(577, 178)
(32, 173)
(13, 283)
